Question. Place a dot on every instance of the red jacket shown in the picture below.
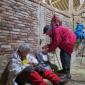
(63, 38)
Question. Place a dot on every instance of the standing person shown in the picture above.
(80, 32)
(63, 38)
(22, 69)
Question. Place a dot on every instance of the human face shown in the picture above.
(54, 24)
(24, 54)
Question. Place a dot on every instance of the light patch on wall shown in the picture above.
(81, 1)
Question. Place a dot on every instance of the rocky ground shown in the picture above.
(78, 72)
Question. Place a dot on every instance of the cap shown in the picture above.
(46, 29)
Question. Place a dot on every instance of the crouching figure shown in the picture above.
(24, 67)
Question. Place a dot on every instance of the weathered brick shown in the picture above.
(5, 46)
(22, 21)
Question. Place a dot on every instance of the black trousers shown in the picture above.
(65, 61)
(23, 77)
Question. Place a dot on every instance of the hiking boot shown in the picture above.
(61, 83)
(65, 77)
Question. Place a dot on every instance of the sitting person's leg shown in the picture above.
(22, 77)
(51, 76)
(28, 74)
(48, 74)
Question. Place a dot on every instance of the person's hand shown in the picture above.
(45, 51)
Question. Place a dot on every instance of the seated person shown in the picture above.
(22, 69)
(43, 59)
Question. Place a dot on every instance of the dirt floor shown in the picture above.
(77, 71)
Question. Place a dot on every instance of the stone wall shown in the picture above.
(22, 21)
(18, 22)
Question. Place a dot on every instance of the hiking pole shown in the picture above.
(83, 49)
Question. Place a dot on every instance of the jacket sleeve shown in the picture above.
(14, 67)
(56, 39)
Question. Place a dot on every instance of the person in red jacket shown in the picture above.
(62, 37)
